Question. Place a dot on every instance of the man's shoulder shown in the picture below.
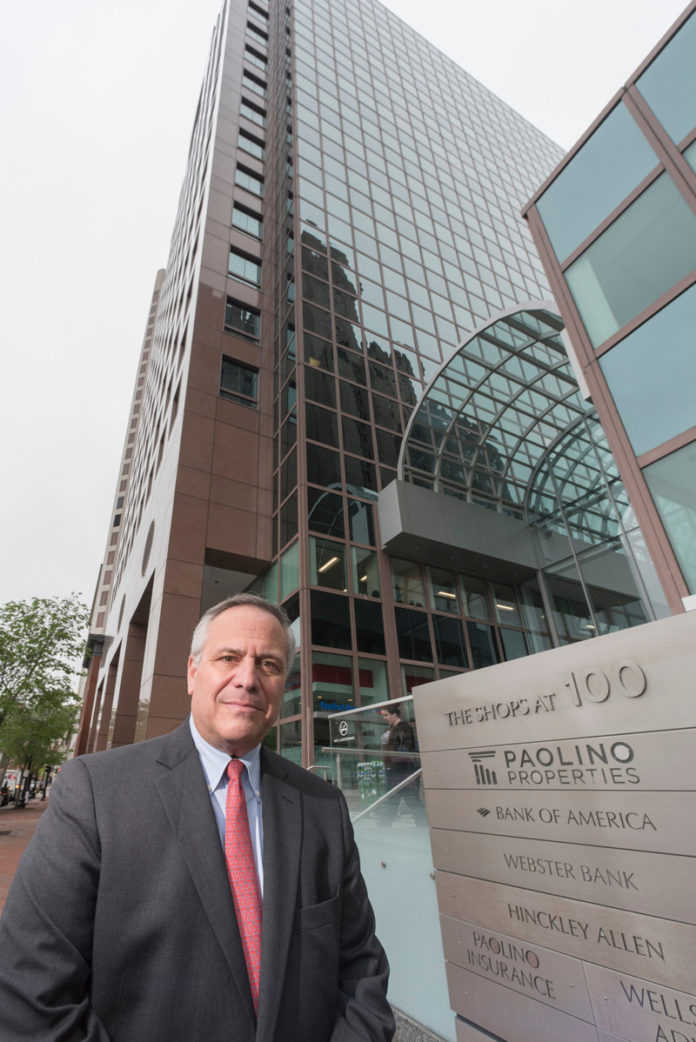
(175, 744)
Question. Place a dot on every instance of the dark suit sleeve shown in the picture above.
(364, 1013)
(48, 920)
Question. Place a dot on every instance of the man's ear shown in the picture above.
(191, 673)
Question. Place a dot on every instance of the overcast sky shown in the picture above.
(98, 105)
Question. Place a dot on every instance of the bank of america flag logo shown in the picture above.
(484, 775)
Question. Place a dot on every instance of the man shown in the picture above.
(120, 925)
(400, 738)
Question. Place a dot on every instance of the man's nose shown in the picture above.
(246, 673)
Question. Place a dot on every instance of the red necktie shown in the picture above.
(241, 869)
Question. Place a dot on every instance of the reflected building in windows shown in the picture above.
(341, 403)
(615, 225)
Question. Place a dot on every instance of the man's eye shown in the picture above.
(269, 666)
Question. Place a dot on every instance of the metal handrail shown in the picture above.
(376, 754)
(388, 795)
(319, 767)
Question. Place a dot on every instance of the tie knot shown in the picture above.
(234, 769)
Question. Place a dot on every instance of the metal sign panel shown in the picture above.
(640, 1010)
(537, 972)
(657, 760)
(648, 821)
(616, 878)
(560, 792)
(509, 1015)
(640, 679)
(644, 946)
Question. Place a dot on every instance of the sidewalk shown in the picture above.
(16, 829)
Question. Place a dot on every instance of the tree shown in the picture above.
(41, 649)
(30, 736)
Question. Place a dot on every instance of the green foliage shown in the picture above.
(28, 735)
(41, 648)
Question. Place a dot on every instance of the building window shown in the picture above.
(327, 563)
(656, 363)
(239, 382)
(254, 57)
(243, 266)
(253, 112)
(669, 82)
(242, 319)
(671, 484)
(257, 34)
(407, 583)
(253, 83)
(648, 249)
(597, 179)
(247, 179)
(247, 221)
(253, 145)
(258, 11)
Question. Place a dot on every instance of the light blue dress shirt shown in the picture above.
(214, 763)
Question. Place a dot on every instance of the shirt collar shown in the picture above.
(215, 762)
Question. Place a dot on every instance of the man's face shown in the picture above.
(237, 686)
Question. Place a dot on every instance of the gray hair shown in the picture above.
(238, 600)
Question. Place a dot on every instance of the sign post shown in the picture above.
(561, 795)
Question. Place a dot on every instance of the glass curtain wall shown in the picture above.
(397, 232)
(620, 217)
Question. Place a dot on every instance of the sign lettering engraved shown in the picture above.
(560, 800)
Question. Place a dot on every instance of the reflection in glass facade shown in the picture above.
(628, 299)
(503, 426)
(393, 185)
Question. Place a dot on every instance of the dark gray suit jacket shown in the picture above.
(120, 924)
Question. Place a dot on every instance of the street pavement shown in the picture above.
(16, 829)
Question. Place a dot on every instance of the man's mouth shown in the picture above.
(242, 707)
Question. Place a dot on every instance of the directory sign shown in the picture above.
(560, 791)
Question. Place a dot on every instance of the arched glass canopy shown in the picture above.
(492, 412)
(503, 425)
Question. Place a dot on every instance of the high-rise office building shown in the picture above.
(350, 214)
(616, 228)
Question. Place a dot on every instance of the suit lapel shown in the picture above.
(184, 794)
(282, 832)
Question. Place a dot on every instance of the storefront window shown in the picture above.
(414, 676)
(330, 620)
(506, 605)
(514, 643)
(449, 642)
(407, 583)
(484, 649)
(476, 602)
(372, 681)
(289, 571)
(332, 683)
(365, 572)
(290, 735)
(413, 635)
(327, 563)
(369, 627)
(443, 591)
